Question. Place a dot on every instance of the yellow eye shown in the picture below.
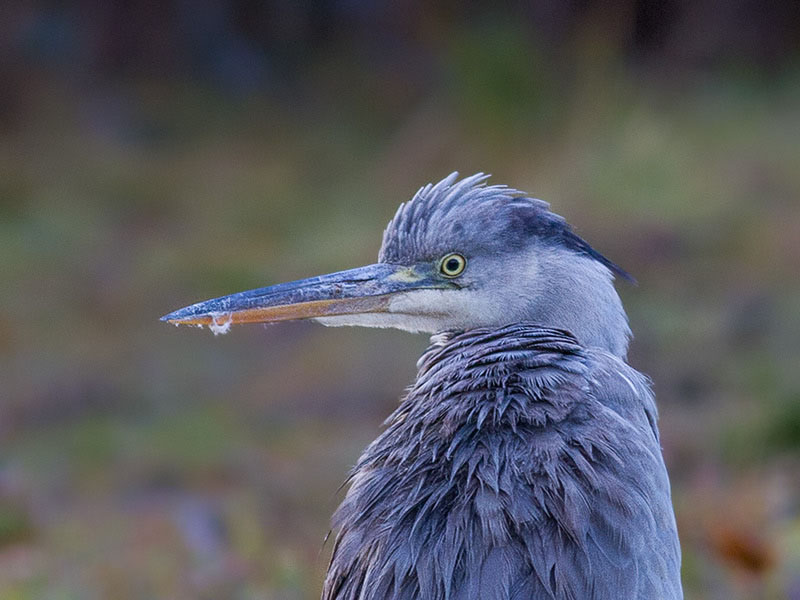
(452, 265)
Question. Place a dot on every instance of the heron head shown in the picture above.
(460, 254)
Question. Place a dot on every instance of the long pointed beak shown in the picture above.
(362, 290)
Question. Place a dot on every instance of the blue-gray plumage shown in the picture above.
(524, 462)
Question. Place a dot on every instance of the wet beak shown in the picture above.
(356, 291)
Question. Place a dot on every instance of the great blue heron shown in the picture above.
(524, 463)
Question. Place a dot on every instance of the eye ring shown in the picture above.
(452, 265)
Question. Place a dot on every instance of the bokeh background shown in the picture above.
(153, 154)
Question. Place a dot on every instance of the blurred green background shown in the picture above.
(155, 154)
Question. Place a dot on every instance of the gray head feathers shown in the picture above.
(469, 215)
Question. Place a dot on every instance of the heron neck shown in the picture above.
(576, 293)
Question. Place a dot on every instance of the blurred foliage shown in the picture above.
(160, 155)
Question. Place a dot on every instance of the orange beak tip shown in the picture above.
(218, 324)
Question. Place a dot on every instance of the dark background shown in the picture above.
(153, 154)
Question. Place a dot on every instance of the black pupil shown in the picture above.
(453, 264)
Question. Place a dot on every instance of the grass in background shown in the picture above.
(141, 461)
